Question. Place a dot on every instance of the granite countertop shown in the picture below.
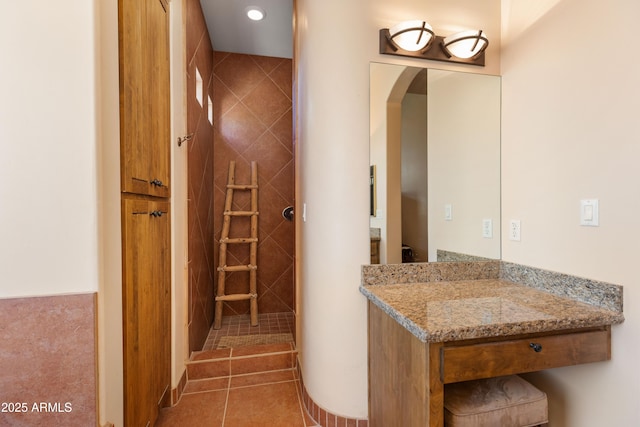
(466, 309)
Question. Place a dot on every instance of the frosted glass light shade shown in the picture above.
(412, 36)
(467, 44)
(255, 13)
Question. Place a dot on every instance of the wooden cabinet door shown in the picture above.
(145, 171)
(144, 97)
(146, 308)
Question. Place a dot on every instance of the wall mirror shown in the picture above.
(435, 164)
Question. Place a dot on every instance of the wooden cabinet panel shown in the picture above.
(144, 97)
(386, 404)
(145, 171)
(159, 99)
(146, 308)
(486, 360)
(375, 251)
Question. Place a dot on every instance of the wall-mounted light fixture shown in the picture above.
(416, 39)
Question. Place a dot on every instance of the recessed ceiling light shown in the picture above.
(255, 13)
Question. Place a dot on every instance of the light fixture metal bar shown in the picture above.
(434, 53)
(477, 40)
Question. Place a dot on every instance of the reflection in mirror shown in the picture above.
(435, 149)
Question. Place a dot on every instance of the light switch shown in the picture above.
(589, 212)
(448, 215)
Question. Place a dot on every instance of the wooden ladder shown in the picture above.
(252, 267)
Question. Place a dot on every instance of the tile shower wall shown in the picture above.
(200, 182)
(47, 361)
(253, 121)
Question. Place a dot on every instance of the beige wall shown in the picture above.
(571, 88)
(179, 285)
(49, 201)
(48, 179)
(110, 374)
(333, 105)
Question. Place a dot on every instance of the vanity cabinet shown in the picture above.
(407, 376)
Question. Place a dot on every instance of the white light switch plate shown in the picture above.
(589, 213)
(448, 214)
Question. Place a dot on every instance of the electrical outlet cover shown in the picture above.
(487, 228)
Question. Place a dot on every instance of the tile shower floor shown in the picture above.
(268, 324)
(270, 398)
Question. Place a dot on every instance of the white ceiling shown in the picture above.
(232, 31)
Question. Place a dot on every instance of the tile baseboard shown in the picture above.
(320, 415)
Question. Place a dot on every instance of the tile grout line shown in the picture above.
(297, 385)
(229, 387)
(226, 402)
(304, 421)
(262, 384)
(244, 356)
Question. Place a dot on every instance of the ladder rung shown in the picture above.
(233, 268)
(235, 297)
(240, 240)
(242, 186)
(240, 213)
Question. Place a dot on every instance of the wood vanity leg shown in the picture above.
(398, 379)
(436, 387)
(405, 388)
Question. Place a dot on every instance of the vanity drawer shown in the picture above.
(533, 353)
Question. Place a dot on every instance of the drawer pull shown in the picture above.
(536, 347)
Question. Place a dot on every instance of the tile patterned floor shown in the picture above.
(270, 399)
(268, 323)
(266, 399)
